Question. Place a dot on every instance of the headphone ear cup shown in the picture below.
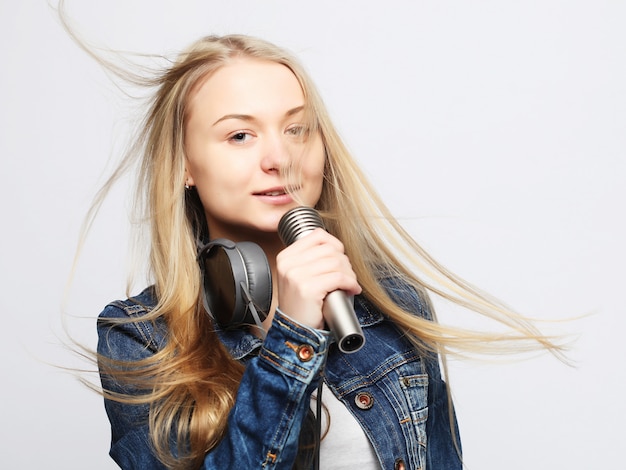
(227, 269)
(259, 279)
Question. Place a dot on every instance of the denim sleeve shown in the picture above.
(272, 401)
(444, 440)
(130, 441)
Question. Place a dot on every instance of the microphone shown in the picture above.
(338, 310)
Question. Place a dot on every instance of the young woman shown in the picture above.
(235, 137)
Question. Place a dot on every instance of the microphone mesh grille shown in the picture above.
(297, 222)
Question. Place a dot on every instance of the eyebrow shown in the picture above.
(247, 117)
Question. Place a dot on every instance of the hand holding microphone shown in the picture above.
(337, 309)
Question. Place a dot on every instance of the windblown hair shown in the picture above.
(191, 383)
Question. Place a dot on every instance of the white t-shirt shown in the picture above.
(345, 446)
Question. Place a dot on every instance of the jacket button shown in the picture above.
(400, 465)
(364, 400)
(305, 352)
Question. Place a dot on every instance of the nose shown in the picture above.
(275, 155)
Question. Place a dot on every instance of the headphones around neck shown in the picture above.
(236, 282)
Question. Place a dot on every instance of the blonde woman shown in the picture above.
(236, 136)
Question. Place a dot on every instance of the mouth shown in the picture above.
(274, 192)
(277, 192)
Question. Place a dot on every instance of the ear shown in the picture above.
(189, 179)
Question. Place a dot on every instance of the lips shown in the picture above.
(273, 192)
(278, 196)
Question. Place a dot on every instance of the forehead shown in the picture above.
(247, 86)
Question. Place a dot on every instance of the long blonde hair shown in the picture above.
(191, 383)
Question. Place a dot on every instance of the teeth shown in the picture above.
(274, 193)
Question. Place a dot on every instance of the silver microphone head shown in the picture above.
(298, 222)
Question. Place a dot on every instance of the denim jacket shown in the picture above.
(395, 393)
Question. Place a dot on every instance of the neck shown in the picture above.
(269, 242)
(271, 245)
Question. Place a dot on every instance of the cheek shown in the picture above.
(316, 160)
(204, 179)
(208, 169)
(314, 174)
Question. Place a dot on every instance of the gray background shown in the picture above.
(493, 129)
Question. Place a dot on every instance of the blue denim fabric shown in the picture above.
(406, 417)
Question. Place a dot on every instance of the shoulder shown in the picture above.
(125, 325)
(133, 307)
(408, 296)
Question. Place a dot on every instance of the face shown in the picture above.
(245, 127)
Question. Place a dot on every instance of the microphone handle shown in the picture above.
(341, 319)
(338, 309)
